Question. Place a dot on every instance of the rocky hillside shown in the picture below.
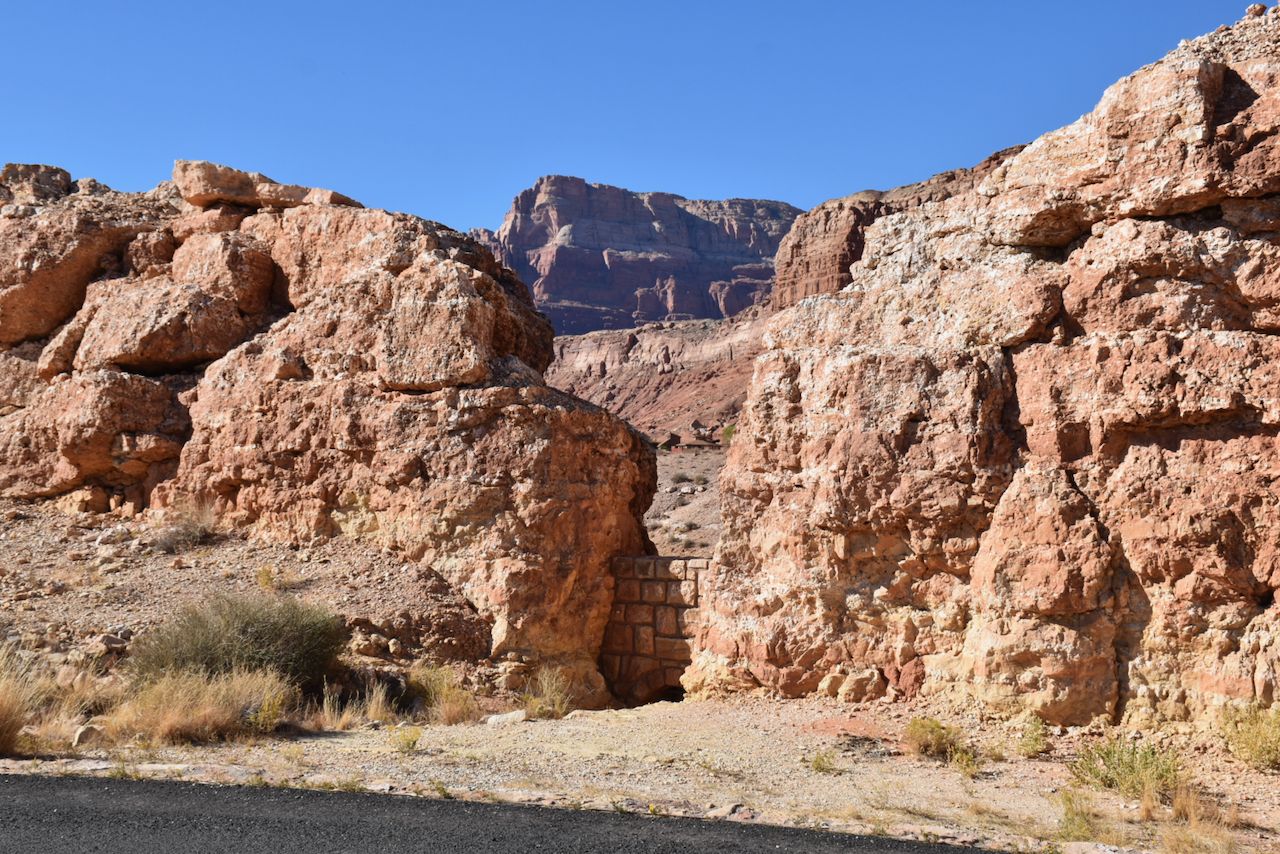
(664, 377)
(301, 368)
(1030, 454)
(601, 257)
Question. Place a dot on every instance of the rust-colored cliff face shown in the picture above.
(308, 369)
(601, 257)
(1029, 453)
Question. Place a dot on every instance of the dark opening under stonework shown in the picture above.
(647, 640)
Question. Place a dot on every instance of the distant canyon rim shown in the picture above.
(1011, 434)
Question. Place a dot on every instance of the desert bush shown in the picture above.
(1253, 735)
(1200, 828)
(824, 762)
(18, 694)
(275, 580)
(1034, 740)
(297, 641)
(931, 737)
(726, 435)
(1128, 768)
(443, 698)
(548, 694)
(193, 707)
(185, 526)
(680, 477)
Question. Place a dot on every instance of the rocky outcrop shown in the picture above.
(1029, 453)
(600, 257)
(664, 377)
(816, 254)
(310, 369)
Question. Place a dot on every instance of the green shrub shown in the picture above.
(1128, 768)
(931, 737)
(726, 435)
(1035, 738)
(680, 477)
(250, 633)
(1253, 735)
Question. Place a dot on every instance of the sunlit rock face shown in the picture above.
(1028, 453)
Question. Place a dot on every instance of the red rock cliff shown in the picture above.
(1029, 453)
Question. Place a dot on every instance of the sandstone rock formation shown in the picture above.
(309, 369)
(816, 254)
(1029, 453)
(600, 257)
(663, 377)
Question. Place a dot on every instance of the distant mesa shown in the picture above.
(601, 257)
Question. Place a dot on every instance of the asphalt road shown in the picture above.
(49, 815)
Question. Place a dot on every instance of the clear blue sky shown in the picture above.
(447, 110)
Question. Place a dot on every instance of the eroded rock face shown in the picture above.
(310, 369)
(601, 257)
(664, 377)
(1029, 453)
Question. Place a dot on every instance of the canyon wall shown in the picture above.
(306, 369)
(601, 257)
(663, 377)
(1029, 454)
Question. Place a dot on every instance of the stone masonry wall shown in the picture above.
(646, 643)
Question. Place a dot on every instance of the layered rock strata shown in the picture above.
(306, 369)
(601, 257)
(664, 378)
(1029, 453)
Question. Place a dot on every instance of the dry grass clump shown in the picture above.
(186, 526)
(18, 695)
(1129, 768)
(441, 695)
(824, 762)
(1200, 828)
(548, 695)
(931, 737)
(244, 633)
(200, 707)
(1253, 735)
(275, 580)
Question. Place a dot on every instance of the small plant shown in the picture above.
(824, 762)
(1034, 740)
(680, 477)
(701, 480)
(1200, 827)
(405, 739)
(441, 790)
(726, 435)
(185, 526)
(18, 694)
(1253, 735)
(300, 642)
(549, 695)
(965, 760)
(275, 580)
(1130, 769)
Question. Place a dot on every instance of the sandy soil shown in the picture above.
(684, 519)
